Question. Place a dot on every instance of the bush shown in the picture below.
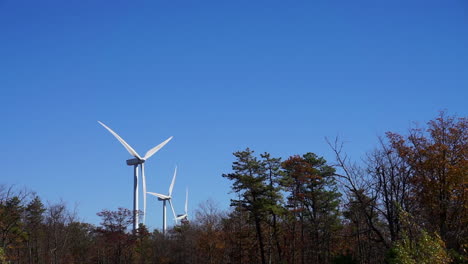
(426, 249)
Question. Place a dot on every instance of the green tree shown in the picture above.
(426, 249)
(2, 256)
(276, 209)
(249, 181)
(33, 221)
(314, 198)
(12, 233)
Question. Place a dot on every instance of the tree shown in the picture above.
(417, 245)
(438, 158)
(276, 209)
(116, 221)
(362, 189)
(239, 237)
(358, 234)
(80, 247)
(426, 250)
(114, 243)
(2, 256)
(12, 233)
(389, 178)
(57, 235)
(209, 237)
(314, 198)
(33, 220)
(249, 181)
(143, 247)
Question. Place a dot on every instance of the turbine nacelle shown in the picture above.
(161, 197)
(136, 161)
(182, 216)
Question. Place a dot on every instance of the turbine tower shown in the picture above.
(185, 215)
(138, 161)
(164, 198)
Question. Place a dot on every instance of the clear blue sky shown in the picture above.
(219, 76)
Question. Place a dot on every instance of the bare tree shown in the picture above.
(390, 175)
(57, 234)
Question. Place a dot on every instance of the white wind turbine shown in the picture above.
(185, 215)
(164, 198)
(137, 161)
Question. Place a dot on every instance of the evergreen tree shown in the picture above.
(33, 220)
(12, 234)
(249, 181)
(276, 209)
(314, 198)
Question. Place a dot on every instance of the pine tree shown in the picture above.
(314, 200)
(249, 181)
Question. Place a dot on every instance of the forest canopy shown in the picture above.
(407, 202)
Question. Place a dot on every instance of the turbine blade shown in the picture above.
(144, 191)
(173, 211)
(155, 149)
(162, 196)
(173, 181)
(125, 144)
(186, 201)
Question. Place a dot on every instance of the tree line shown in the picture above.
(406, 202)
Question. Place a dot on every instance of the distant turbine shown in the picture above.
(164, 198)
(185, 215)
(138, 160)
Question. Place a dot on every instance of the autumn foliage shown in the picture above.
(406, 202)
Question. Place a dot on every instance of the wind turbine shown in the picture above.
(185, 215)
(137, 161)
(164, 198)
